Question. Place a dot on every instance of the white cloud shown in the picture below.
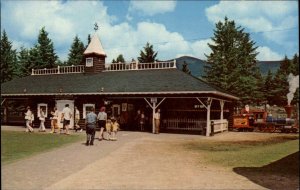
(266, 54)
(152, 7)
(199, 48)
(258, 16)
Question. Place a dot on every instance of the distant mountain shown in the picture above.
(196, 65)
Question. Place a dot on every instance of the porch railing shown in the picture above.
(220, 125)
(184, 124)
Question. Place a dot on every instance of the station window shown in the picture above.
(44, 107)
(89, 62)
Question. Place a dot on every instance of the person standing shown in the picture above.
(54, 120)
(115, 127)
(142, 121)
(28, 118)
(108, 127)
(77, 118)
(90, 122)
(157, 121)
(102, 117)
(137, 120)
(42, 120)
(66, 117)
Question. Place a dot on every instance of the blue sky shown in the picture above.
(174, 28)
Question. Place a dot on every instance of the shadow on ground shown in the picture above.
(281, 174)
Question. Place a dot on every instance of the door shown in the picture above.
(60, 104)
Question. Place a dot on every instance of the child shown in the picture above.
(108, 127)
(115, 128)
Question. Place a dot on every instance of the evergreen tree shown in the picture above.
(268, 86)
(8, 59)
(280, 83)
(185, 68)
(76, 52)
(25, 66)
(88, 41)
(45, 55)
(148, 55)
(295, 63)
(120, 59)
(114, 61)
(232, 65)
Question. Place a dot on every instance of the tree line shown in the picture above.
(231, 66)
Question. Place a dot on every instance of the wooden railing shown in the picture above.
(59, 70)
(140, 66)
(184, 124)
(220, 125)
(108, 67)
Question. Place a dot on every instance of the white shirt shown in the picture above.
(102, 116)
(157, 115)
(67, 113)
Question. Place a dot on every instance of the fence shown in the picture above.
(220, 125)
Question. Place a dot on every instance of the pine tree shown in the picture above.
(295, 63)
(88, 41)
(232, 65)
(24, 63)
(280, 83)
(148, 55)
(120, 59)
(45, 57)
(185, 68)
(8, 59)
(268, 86)
(76, 52)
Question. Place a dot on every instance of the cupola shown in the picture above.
(94, 56)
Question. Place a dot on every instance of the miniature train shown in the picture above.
(261, 120)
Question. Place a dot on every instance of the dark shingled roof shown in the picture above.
(160, 81)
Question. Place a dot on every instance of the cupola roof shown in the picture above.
(95, 46)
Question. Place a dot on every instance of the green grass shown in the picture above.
(16, 144)
(245, 153)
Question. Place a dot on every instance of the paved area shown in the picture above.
(136, 161)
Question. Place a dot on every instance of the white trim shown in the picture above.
(84, 109)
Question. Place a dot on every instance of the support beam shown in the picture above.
(208, 126)
(153, 106)
(3, 101)
(222, 112)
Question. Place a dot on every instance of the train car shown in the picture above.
(260, 120)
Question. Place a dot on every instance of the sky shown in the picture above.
(174, 28)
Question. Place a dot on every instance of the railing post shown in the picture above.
(58, 69)
(174, 66)
(32, 71)
(212, 128)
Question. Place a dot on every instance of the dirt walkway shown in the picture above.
(135, 161)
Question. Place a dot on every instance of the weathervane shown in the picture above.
(95, 26)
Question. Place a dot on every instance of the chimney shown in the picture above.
(288, 109)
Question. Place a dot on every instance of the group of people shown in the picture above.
(141, 120)
(65, 119)
(110, 124)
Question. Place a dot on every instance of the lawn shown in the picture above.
(16, 144)
(246, 153)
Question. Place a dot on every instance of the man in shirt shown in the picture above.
(66, 116)
(157, 121)
(90, 121)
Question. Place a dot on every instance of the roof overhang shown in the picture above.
(129, 93)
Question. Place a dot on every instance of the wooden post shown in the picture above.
(208, 126)
(153, 106)
(222, 113)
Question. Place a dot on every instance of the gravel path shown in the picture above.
(136, 161)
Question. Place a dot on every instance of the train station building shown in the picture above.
(187, 104)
